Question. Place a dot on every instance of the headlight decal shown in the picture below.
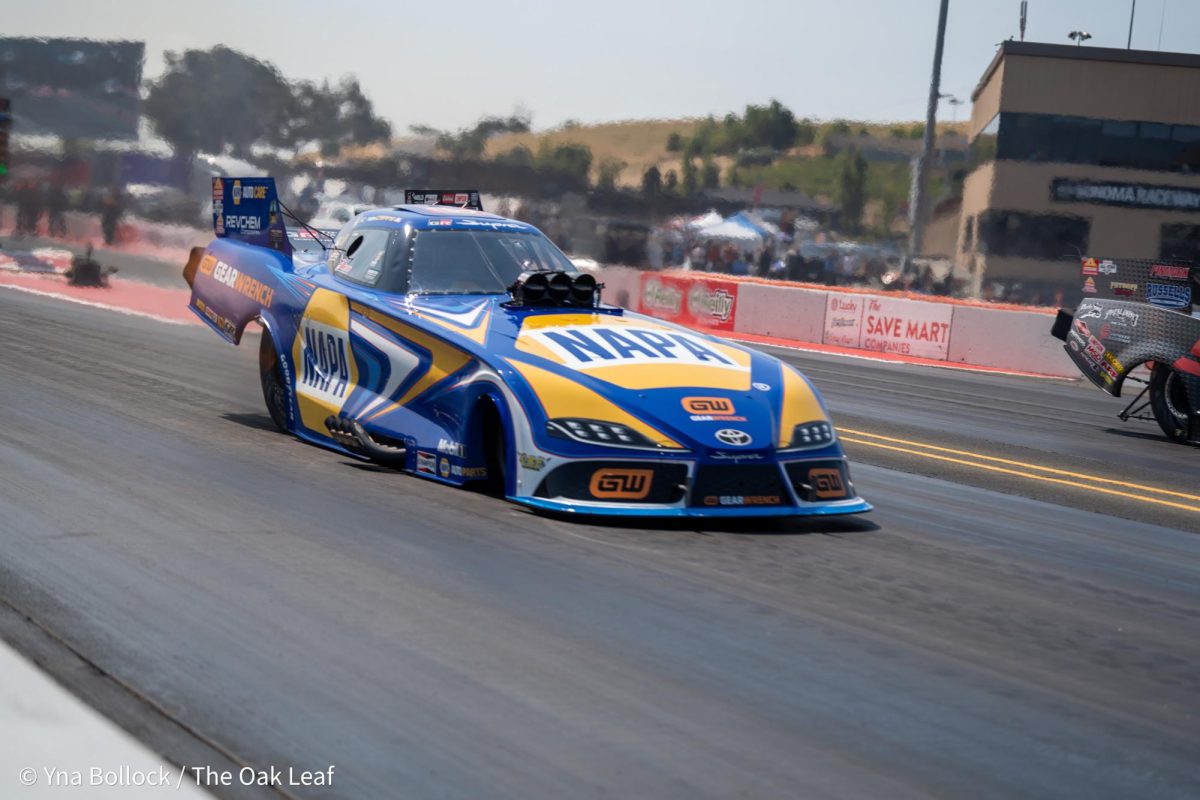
(799, 404)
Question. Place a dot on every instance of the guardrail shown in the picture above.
(939, 329)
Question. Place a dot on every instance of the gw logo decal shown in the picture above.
(588, 346)
(827, 483)
(707, 405)
(621, 484)
(711, 409)
(325, 373)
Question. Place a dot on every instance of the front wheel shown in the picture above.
(1169, 402)
(274, 391)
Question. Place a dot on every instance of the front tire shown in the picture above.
(495, 451)
(1169, 402)
(274, 391)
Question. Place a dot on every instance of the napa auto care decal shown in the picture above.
(695, 302)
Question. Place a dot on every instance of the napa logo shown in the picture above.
(325, 367)
(587, 347)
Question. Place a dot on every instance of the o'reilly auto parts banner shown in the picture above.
(1130, 195)
(692, 301)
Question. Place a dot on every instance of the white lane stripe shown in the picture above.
(93, 304)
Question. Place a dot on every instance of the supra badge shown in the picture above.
(621, 484)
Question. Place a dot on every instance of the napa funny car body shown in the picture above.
(462, 347)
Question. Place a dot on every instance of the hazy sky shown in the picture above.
(447, 63)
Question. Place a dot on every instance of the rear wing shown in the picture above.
(248, 210)
(1166, 283)
(459, 198)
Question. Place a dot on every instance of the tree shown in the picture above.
(519, 156)
(671, 182)
(772, 126)
(573, 159)
(200, 101)
(690, 181)
(607, 173)
(674, 142)
(710, 174)
(221, 100)
(852, 188)
(652, 181)
(332, 116)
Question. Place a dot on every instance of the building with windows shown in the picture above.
(1079, 150)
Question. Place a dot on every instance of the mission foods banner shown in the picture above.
(889, 325)
(696, 302)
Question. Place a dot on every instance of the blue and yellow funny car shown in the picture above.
(463, 347)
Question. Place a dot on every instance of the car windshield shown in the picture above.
(478, 262)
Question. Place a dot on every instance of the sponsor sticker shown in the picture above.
(1123, 289)
(621, 484)
(468, 472)
(426, 462)
(827, 483)
(711, 409)
(1090, 266)
(451, 448)
(1169, 271)
(742, 500)
(532, 462)
(1167, 296)
(1087, 311)
(440, 223)
(444, 467)
(1122, 317)
(1108, 268)
(1089, 286)
(589, 346)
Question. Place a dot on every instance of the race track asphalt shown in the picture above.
(228, 593)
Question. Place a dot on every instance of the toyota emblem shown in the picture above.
(733, 437)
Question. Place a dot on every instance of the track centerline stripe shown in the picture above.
(1030, 475)
(1023, 464)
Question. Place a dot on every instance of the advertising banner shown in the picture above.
(704, 303)
(843, 319)
(906, 327)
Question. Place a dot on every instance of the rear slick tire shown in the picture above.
(274, 391)
(1169, 402)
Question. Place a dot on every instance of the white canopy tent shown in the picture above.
(731, 232)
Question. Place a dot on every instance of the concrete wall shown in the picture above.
(957, 333)
(787, 312)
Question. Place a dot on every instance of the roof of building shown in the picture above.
(1110, 54)
(767, 198)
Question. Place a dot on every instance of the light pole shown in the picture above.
(1129, 41)
(954, 104)
(1079, 37)
(916, 210)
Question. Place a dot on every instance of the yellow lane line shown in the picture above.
(1035, 476)
(1025, 465)
(1031, 475)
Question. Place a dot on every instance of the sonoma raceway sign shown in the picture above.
(889, 325)
(1132, 195)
